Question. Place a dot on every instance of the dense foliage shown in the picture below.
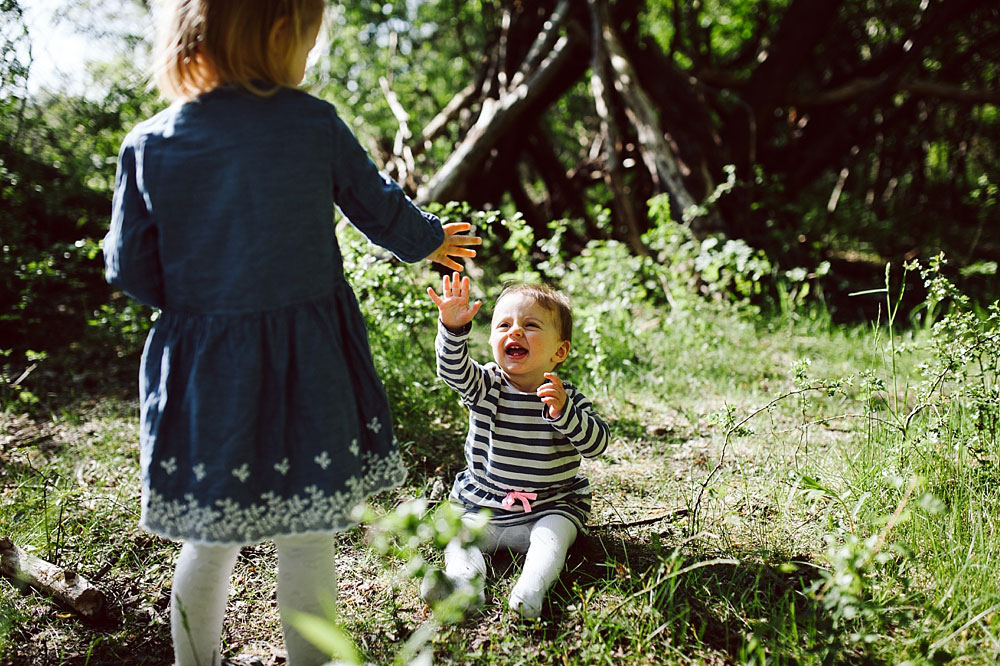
(818, 494)
(909, 169)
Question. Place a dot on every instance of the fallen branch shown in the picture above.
(496, 117)
(402, 156)
(64, 585)
(661, 159)
(437, 124)
(542, 45)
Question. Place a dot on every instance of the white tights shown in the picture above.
(306, 574)
(545, 543)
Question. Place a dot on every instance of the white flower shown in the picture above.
(242, 472)
(354, 448)
(199, 471)
(375, 426)
(283, 466)
(170, 465)
(323, 460)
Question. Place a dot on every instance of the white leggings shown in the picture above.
(545, 543)
(306, 576)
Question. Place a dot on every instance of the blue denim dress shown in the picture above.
(261, 413)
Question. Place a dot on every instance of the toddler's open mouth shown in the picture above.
(515, 351)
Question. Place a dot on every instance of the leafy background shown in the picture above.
(798, 474)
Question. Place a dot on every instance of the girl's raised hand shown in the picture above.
(553, 395)
(454, 245)
(453, 303)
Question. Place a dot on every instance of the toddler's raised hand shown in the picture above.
(553, 395)
(453, 303)
(454, 245)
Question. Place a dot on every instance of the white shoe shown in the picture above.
(527, 602)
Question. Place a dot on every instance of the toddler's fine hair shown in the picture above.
(549, 298)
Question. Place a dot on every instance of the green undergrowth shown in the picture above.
(779, 489)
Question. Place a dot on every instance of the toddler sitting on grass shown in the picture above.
(528, 431)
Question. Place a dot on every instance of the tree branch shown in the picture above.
(402, 154)
(64, 584)
(658, 155)
(862, 86)
(542, 44)
(601, 84)
(436, 126)
(495, 118)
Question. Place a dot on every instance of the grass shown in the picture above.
(754, 508)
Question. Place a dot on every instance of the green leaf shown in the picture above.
(326, 635)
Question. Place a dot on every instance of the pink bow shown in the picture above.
(513, 495)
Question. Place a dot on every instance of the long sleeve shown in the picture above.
(456, 367)
(131, 253)
(581, 426)
(376, 205)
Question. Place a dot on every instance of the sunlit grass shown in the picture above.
(760, 503)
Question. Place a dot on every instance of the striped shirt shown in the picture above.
(513, 445)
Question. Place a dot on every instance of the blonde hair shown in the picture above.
(201, 44)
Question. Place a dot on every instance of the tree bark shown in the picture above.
(658, 155)
(602, 85)
(496, 118)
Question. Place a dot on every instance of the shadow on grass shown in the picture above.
(50, 634)
(760, 608)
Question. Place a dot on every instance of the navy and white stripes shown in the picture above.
(512, 445)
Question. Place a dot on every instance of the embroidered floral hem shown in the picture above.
(312, 510)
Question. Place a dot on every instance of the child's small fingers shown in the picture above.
(434, 296)
(475, 307)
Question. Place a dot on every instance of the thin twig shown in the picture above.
(729, 433)
(24, 375)
(646, 521)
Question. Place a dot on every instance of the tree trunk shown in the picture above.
(497, 117)
(602, 85)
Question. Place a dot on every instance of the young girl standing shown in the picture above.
(261, 414)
